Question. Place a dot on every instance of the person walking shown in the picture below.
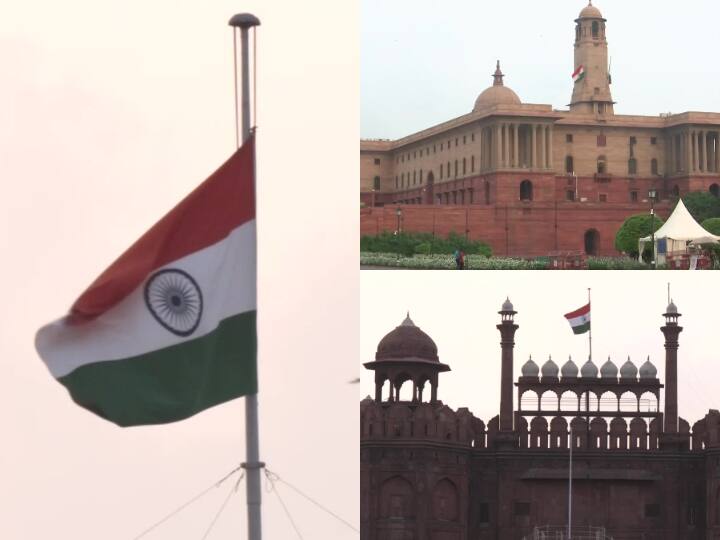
(458, 259)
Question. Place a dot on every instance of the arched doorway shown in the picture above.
(592, 242)
(526, 190)
(715, 190)
(429, 189)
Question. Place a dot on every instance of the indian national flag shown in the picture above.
(578, 74)
(169, 328)
(579, 319)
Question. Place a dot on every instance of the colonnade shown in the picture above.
(695, 151)
(514, 145)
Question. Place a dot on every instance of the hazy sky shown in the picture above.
(458, 310)
(422, 64)
(111, 113)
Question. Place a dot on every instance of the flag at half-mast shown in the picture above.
(579, 319)
(169, 329)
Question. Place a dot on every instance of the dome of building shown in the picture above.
(648, 370)
(628, 370)
(550, 368)
(671, 309)
(507, 305)
(609, 370)
(590, 12)
(407, 341)
(569, 369)
(530, 368)
(589, 369)
(497, 94)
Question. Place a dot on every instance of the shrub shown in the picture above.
(423, 248)
(410, 243)
(634, 228)
(712, 225)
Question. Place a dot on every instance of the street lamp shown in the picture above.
(398, 213)
(652, 193)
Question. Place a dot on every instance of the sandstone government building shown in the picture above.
(529, 179)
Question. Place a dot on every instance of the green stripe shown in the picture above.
(581, 329)
(173, 383)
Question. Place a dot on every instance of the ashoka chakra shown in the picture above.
(174, 299)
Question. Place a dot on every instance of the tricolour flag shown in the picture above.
(169, 328)
(579, 319)
(578, 74)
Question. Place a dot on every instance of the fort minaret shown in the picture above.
(591, 86)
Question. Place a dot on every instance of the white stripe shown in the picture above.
(225, 274)
(579, 320)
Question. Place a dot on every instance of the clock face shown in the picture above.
(174, 300)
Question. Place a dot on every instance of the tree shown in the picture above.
(712, 225)
(634, 228)
(702, 205)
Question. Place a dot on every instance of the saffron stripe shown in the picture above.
(578, 312)
(173, 383)
(218, 205)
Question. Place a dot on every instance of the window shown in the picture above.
(484, 513)
(568, 137)
(602, 198)
(633, 196)
(396, 181)
(632, 166)
(526, 190)
(420, 176)
(402, 159)
(448, 169)
(472, 163)
(522, 509)
(595, 29)
(570, 195)
(464, 166)
(652, 510)
(434, 149)
(456, 168)
(653, 140)
(464, 138)
(601, 141)
(596, 90)
(601, 108)
(376, 183)
(633, 140)
(456, 141)
(441, 171)
(653, 166)
(472, 137)
(377, 161)
(414, 154)
(601, 166)
(569, 165)
(414, 177)
(441, 147)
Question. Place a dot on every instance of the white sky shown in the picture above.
(110, 114)
(458, 310)
(424, 63)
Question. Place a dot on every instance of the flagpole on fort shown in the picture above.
(590, 329)
(252, 464)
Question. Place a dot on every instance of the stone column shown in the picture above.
(671, 330)
(480, 151)
(688, 152)
(533, 157)
(694, 147)
(516, 133)
(541, 162)
(703, 152)
(550, 147)
(506, 145)
(498, 146)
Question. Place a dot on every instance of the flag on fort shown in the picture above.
(169, 328)
(579, 319)
(578, 74)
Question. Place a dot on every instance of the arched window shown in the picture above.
(676, 191)
(715, 190)
(569, 165)
(601, 165)
(526, 190)
(632, 166)
(653, 166)
(595, 29)
(592, 241)
(376, 183)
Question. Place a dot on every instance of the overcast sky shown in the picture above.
(110, 114)
(423, 64)
(458, 310)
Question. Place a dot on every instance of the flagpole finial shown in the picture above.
(244, 20)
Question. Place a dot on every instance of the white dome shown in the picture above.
(550, 368)
(609, 370)
(648, 370)
(589, 370)
(628, 370)
(530, 368)
(569, 369)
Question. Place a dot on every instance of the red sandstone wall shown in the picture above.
(521, 229)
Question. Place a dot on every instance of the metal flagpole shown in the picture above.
(245, 21)
(590, 330)
(572, 443)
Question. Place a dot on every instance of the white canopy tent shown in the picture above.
(675, 234)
